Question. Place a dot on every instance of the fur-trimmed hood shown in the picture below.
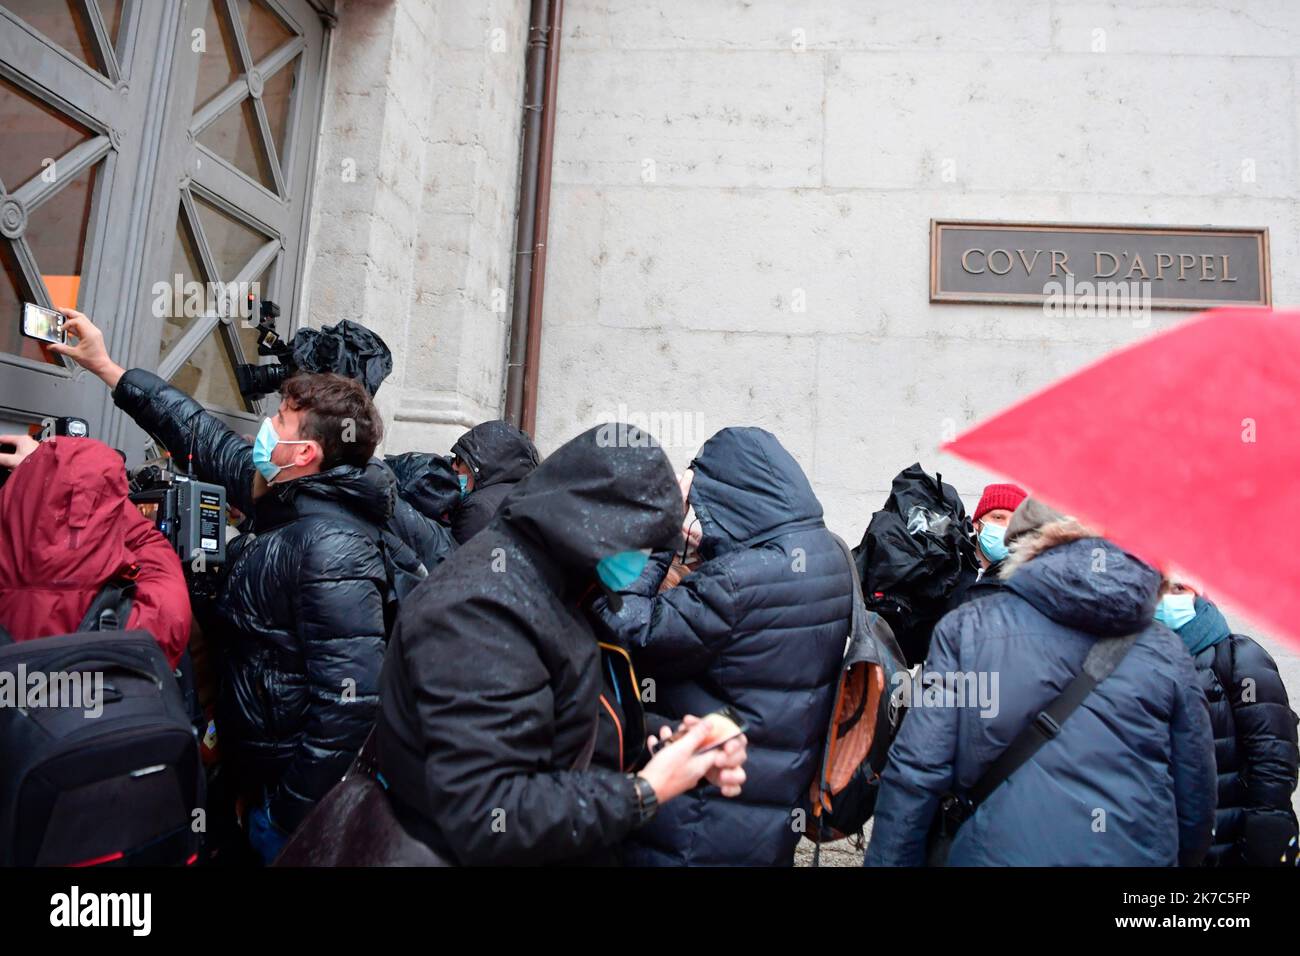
(1033, 543)
(1081, 580)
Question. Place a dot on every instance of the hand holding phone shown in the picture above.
(724, 725)
(43, 324)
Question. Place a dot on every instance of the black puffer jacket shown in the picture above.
(427, 491)
(499, 455)
(413, 541)
(974, 585)
(492, 681)
(427, 482)
(761, 626)
(301, 612)
(1254, 741)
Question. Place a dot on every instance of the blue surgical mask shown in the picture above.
(618, 572)
(264, 445)
(1175, 610)
(993, 541)
(464, 484)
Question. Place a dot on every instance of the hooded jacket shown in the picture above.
(1254, 741)
(1128, 781)
(492, 681)
(499, 455)
(427, 482)
(759, 626)
(69, 528)
(300, 614)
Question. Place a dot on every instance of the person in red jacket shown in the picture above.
(66, 528)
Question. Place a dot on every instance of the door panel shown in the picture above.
(232, 208)
(146, 141)
(74, 124)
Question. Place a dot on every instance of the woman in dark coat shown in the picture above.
(760, 625)
(491, 689)
(1254, 733)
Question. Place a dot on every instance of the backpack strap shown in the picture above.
(1102, 659)
(855, 587)
(111, 606)
(863, 620)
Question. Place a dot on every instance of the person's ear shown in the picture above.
(309, 453)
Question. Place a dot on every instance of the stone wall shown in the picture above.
(744, 189)
(413, 219)
(743, 192)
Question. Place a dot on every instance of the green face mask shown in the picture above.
(618, 572)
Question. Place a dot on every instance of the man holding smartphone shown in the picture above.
(301, 612)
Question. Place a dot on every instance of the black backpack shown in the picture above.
(103, 767)
(913, 556)
(864, 720)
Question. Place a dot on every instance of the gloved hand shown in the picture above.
(264, 836)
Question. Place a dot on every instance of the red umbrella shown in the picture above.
(1184, 449)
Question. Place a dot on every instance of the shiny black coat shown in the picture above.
(427, 482)
(427, 491)
(491, 686)
(1254, 744)
(499, 455)
(300, 614)
(760, 626)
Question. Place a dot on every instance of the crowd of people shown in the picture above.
(532, 649)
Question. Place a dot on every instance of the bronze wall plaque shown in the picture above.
(1185, 267)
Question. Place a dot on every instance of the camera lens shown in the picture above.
(255, 380)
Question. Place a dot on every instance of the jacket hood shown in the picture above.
(370, 493)
(496, 451)
(1081, 580)
(747, 488)
(594, 497)
(68, 497)
(427, 482)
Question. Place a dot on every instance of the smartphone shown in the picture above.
(727, 720)
(44, 324)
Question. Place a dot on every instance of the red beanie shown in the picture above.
(999, 496)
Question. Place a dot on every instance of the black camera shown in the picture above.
(190, 514)
(257, 380)
(69, 426)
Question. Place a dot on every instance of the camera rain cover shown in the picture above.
(917, 544)
(347, 348)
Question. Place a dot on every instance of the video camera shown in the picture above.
(190, 514)
(255, 380)
(346, 348)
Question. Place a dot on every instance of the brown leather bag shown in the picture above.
(354, 824)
